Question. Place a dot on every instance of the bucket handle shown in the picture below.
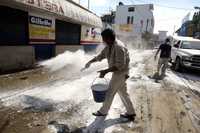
(100, 78)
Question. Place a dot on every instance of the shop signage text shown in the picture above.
(48, 5)
(40, 21)
(41, 29)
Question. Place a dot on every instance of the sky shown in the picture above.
(169, 19)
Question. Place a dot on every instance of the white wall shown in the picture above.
(162, 35)
(142, 12)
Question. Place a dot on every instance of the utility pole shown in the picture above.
(174, 30)
(88, 4)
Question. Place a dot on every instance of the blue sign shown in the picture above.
(40, 21)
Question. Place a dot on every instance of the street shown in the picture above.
(57, 96)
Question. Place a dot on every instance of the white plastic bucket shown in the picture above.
(99, 91)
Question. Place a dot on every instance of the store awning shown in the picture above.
(67, 9)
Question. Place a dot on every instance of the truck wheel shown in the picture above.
(177, 65)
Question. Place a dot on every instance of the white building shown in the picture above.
(162, 35)
(133, 20)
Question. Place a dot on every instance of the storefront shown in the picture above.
(35, 30)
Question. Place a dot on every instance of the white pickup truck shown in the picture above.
(185, 53)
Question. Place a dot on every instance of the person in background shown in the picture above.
(177, 45)
(165, 55)
(118, 61)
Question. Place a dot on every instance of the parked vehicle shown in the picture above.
(185, 53)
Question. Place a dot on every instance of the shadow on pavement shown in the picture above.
(187, 74)
(38, 105)
(60, 128)
(192, 76)
(100, 124)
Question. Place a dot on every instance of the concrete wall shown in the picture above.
(62, 48)
(16, 57)
(22, 57)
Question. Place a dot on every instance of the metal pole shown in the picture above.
(174, 30)
(88, 4)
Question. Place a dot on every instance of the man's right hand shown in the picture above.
(90, 62)
(155, 57)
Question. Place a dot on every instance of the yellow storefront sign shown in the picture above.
(39, 32)
(125, 27)
(41, 29)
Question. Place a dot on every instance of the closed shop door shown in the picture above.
(43, 52)
(13, 26)
(67, 33)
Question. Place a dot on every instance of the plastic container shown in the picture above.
(99, 90)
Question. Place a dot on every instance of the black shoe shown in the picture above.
(98, 113)
(128, 116)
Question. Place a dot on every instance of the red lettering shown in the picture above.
(49, 6)
(61, 10)
(39, 3)
(55, 7)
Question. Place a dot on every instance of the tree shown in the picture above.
(196, 22)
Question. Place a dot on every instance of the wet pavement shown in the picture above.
(58, 99)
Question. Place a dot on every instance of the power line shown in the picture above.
(178, 8)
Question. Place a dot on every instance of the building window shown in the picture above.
(128, 20)
(151, 7)
(141, 22)
(132, 19)
(152, 22)
(131, 9)
(147, 25)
